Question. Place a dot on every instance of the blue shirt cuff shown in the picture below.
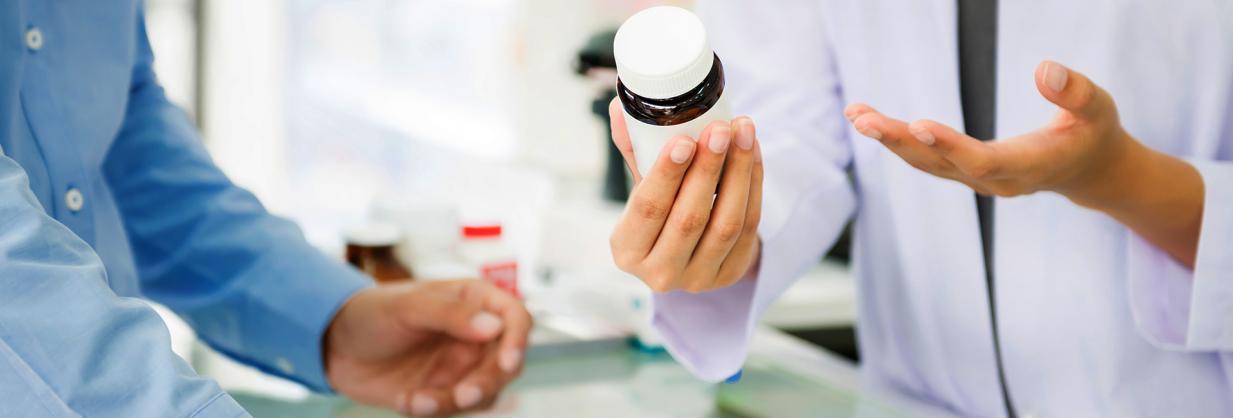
(290, 314)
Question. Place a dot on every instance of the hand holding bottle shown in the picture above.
(685, 226)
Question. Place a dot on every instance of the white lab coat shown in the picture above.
(1093, 320)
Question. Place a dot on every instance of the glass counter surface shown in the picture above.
(783, 378)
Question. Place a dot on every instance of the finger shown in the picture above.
(427, 403)
(855, 110)
(1072, 91)
(458, 359)
(727, 221)
(518, 322)
(894, 134)
(483, 384)
(650, 203)
(745, 253)
(432, 307)
(620, 137)
(974, 158)
(690, 214)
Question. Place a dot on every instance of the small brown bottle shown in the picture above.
(670, 81)
(371, 248)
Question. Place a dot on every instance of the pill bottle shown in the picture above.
(371, 248)
(488, 257)
(669, 81)
(429, 226)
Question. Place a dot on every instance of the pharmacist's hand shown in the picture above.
(685, 227)
(427, 349)
(1074, 154)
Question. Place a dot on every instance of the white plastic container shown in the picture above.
(670, 80)
(487, 256)
(429, 227)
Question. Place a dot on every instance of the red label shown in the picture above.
(504, 275)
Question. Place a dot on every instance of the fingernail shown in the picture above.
(423, 405)
(720, 137)
(744, 134)
(870, 132)
(509, 360)
(1055, 77)
(682, 151)
(467, 395)
(923, 135)
(486, 323)
(400, 403)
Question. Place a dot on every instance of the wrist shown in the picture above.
(340, 330)
(1113, 182)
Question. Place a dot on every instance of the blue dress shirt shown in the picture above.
(107, 193)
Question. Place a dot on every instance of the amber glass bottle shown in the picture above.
(670, 82)
(371, 248)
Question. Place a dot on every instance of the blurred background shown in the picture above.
(348, 115)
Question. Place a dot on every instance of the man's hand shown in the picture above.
(427, 349)
(1083, 154)
(1073, 154)
(686, 227)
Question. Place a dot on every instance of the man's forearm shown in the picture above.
(1156, 195)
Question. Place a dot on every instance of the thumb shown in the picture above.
(466, 321)
(1072, 90)
(620, 137)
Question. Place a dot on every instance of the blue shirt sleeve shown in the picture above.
(68, 345)
(247, 281)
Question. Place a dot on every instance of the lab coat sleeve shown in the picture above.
(69, 346)
(1182, 309)
(247, 281)
(780, 71)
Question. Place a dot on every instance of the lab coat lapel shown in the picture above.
(935, 220)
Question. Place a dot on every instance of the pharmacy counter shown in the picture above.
(784, 377)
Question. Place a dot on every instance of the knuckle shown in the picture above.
(691, 223)
(659, 282)
(649, 210)
(751, 227)
(728, 232)
(625, 260)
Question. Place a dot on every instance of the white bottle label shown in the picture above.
(648, 140)
(502, 274)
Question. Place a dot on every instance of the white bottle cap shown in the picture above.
(373, 234)
(662, 52)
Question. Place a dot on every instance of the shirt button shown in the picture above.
(34, 39)
(285, 365)
(74, 200)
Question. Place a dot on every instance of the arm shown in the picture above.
(1084, 154)
(246, 280)
(1180, 288)
(70, 346)
(797, 211)
(253, 288)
